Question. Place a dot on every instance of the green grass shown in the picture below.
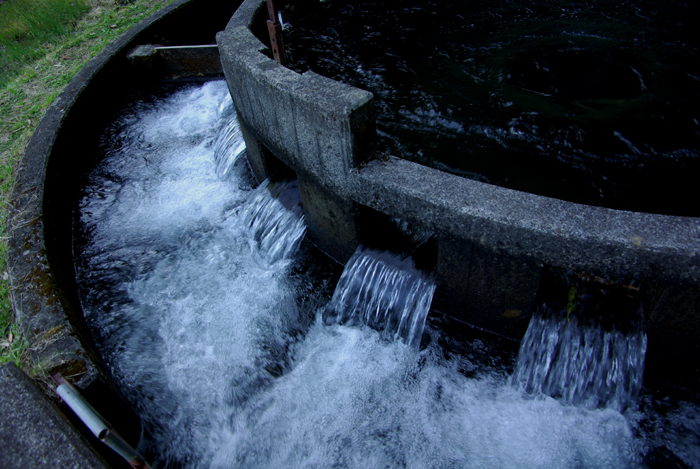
(26, 25)
(13, 347)
(52, 56)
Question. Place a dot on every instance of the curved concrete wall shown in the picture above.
(40, 216)
(492, 242)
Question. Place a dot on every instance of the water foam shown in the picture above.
(204, 339)
(354, 400)
(187, 328)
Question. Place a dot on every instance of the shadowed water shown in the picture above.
(589, 101)
(223, 353)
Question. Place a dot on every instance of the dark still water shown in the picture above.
(591, 101)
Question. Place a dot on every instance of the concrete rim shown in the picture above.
(38, 285)
(493, 244)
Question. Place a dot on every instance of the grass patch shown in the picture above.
(30, 89)
(13, 347)
(26, 25)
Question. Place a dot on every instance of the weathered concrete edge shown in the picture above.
(602, 241)
(558, 233)
(305, 117)
(493, 244)
(41, 317)
(32, 431)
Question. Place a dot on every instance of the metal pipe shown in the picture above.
(96, 423)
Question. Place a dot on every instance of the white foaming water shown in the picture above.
(355, 400)
(581, 365)
(204, 339)
(228, 148)
(189, 328)
(276, 231)
(385, 293)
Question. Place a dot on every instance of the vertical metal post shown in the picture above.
(274, 28)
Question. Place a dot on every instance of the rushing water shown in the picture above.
(213, 328)
(590, 101)
(582, 365)
(229, 145)
(385, 292)
(276, 231)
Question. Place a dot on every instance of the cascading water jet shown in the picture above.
(228, 148)
(586, 345)
(273, 216)
(384, 292)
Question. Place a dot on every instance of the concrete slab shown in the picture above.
(32, 431)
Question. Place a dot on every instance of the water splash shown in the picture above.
(229, 147)
(220, 355)
(581, 364)
(272, 216)
(384, 292)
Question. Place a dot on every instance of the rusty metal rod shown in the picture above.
(274, 29)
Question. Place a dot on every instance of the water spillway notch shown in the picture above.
(586, 344)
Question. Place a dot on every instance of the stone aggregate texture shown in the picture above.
(32, 431)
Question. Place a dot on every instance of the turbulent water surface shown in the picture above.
(590, 101)
(214, 332)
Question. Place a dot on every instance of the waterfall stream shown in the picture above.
(229, 146)
(210, 319)
(581, 365)
(275, 230)
(384, 292)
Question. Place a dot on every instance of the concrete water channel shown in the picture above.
(490, 246)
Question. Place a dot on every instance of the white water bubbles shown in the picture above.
(188, 321)
(354, 400)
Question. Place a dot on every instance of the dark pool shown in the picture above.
(594, 102)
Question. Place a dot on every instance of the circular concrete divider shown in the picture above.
(492, 244)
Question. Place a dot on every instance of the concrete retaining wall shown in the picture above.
(493, 243)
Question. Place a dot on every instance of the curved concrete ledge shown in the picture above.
(40, 263)
(493, 243)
